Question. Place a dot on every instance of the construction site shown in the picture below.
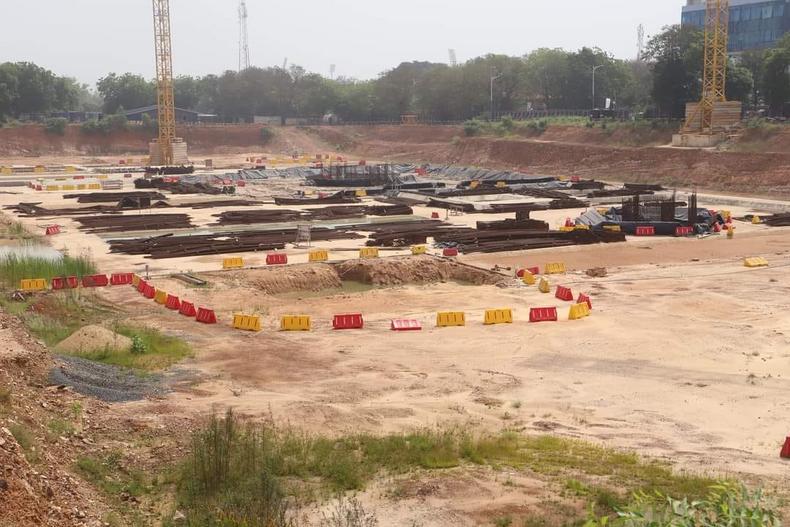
(422, 329)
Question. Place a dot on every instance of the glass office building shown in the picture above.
(754, 24)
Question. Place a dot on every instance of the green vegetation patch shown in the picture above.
(262, 467)
(14, 268)
(151, 350)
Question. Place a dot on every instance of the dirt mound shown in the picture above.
(413, 270)
(292, 278)
(93, 338)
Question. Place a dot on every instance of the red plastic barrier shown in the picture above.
(534, 270)
(450, 252)
(276, 259)
(716, 227)
(58, 283)
(785, 453)
(149, 291)
(78, 177)
(648, 230)
(543, 314)
(96, 280)
(141, 285)
(173, 303)
(187, 309)
(564, 293)
(684, 230)
(52, 230)
(406, 325)
(584, 299)
(72, 282)
(206, 316)
(348, 321)
(434, 215)
(121, 279)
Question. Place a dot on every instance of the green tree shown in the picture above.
(676, 54)
(776, 81)
(125, 91)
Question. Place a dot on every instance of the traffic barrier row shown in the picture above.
(276, 259)
(54, 188)
(319, 255)
(579, 311)
(564, 294)
(498, 316)
(295, 323)
(246, 322)
(757, 261)
(233, 263)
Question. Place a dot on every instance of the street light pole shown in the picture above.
(594, 69)
(491, 100)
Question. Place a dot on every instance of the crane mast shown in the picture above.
(164, 81)
(717, 16)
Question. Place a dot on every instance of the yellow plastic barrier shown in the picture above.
(295, 323)
(528, 278)
(498, 316)
(501, 184)
(726, 214)
(68, 187)
(36, 284)
(233, 263)
(6, 171)
(474, 184)
(555, 268)
(160, 297)
(361, 193)
(52, 187)
(544, 286)
(94, 186)
(566, 228)
(103, 176)
(70, 169)
(135, 280)
(369, 252)
(319, 255)
(613, 228)
(39, 169)
(418, 249)
(757, 261)
(756, 220)
(581, 227)
(247, 322)
(579, 311)
(81, 186)
(450, 319)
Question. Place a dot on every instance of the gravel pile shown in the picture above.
(108, 383)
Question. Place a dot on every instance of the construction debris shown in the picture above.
(137, 222)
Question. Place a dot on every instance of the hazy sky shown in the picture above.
(89, 38)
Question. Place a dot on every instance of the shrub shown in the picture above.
(138, 346)
(107, 125)
(472, 127)
(267, 134)
(56, 126)
(349, 513)
(507, 123)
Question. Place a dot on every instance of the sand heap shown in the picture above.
(94, 338)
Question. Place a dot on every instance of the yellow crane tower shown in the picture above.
(162, 150)
(717, 17)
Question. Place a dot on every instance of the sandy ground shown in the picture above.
(685, 357)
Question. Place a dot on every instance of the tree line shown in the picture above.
(659, 83)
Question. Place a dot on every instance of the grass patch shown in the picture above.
(108, 475)
(15, 268)
(232, 463)
(58, 428)
(26, 441)
(152, 350)
(52, 318)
